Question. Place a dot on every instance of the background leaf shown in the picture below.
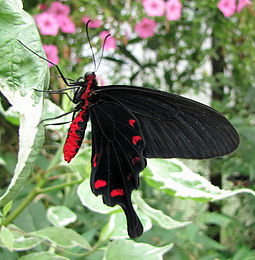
(19, 75)
(43, 256)
(128, 249)
(60, 216)
(92, 202)
(7, 238)
(158, 216)
(63, 237)
(176, 179)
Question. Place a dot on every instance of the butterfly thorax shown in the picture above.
(88, 84)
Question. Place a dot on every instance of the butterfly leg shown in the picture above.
(61, 91)
(53, 118)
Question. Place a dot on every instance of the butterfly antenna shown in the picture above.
(55, 65)
(87, 32)
(102, 54)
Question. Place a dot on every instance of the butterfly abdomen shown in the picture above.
(78, 126)
(75, 135)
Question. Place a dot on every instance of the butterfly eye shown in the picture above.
(87, 74)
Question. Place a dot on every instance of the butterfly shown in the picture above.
(130, 124)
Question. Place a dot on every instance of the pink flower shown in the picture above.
(51, 53)
(146, 28)
(242, 4)
(110, 41)
(154, 7)
(42, 7)
(66, 24)
(47, 24)
(173, 10)
(100, 81)
(57, 8)
(227, 7)
(93, 23)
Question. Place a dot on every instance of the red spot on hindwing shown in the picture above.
(117, 192)
(100, 184)
(135, 160)
(94, 160)
(132, 122)
(130, 176)
(136, 139)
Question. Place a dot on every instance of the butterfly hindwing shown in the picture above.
(174, 126)
(117, 158)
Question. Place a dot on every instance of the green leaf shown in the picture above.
(63, 237)
(20, 241)
(89, 200)
(210, 243)
(42, 256)
(244, 253)
(50, 110)
(20, 73)
(215, 218)
(33, 217)
(128, 249)
(61, 216)
(7, 208)
(7, 237)
(174, 178)
(129, 55)
(11, 115)
(2, 162)
(81, 162)
(157, 215)
(25, 243)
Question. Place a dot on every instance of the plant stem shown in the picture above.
(20, 208)
(60, 186)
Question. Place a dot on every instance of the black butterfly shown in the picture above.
(130, 124)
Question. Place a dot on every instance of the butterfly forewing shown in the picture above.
(174, 126)
(117, 157)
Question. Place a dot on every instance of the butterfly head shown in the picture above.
(89, 75)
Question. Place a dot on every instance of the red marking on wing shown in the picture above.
(117, 192)
(100, 184)
(132, 122)
(136, 139)
(94, 160)
(135, 160)
(129, 177)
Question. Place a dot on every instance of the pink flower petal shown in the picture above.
(100, 81)
(66, 24)
(242, 4)
(227, 7)
(43, 7)
(47, 24)
(145, 28)
(173, 10)
(51, 53)
(110, 42)
(93, 23)
(57, 8)
(154, 7)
